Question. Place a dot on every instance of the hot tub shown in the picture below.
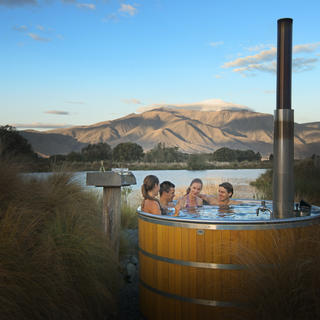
(191, 267)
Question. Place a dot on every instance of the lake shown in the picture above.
(240, 178)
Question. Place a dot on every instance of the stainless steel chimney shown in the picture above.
(283, 146)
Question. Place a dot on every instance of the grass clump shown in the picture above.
(306, 182)
(284, 282)
(55, 260)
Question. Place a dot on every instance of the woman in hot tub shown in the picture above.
(191, 199)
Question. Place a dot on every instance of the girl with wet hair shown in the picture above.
(150, 189)
(191, 199)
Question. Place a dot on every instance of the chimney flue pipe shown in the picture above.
(283, 146)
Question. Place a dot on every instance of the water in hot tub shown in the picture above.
(244, 210)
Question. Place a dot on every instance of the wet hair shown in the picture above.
(165, 186)
(196, 180)
(148, 184)
(228, 186)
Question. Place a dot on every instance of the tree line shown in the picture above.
(13, 145)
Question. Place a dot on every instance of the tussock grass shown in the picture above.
(55, 260)
(306, 181)
(283, 282)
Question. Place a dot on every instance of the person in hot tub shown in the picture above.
(150, 189)
(191, 199)
(225, 193)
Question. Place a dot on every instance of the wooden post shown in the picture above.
(111, 213)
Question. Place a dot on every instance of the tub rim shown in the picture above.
(243, 224)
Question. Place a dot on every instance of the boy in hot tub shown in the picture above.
(225, 193)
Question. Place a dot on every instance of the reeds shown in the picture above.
(55, 262)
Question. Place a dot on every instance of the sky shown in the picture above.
(79, 62)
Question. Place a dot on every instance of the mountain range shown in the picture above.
(191, 131)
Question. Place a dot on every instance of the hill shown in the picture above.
(191, 131)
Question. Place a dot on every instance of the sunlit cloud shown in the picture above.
(40, 28)
(266, 55)
(17, 3)
(57, 112)
(206, 105)
(218, 76)
(265, 61)
(264, 67)
(132, 101)
(216, 44)
(41, 125)
(89, 6)
(309, 47)
(38, 38)
(128, 9)
(22, 28)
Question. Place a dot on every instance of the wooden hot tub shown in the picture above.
(193, 269)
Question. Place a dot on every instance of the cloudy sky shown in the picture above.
(79, 62)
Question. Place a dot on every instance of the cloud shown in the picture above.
(57, 112)
(40, 125)
(18, 3)
(302, 64)
(266, 55)
(22, 28)
(129, 9)
(89, 6)
(309, 47)
(206, 105)
(258, 47)
(265, 61)
(40, 27)
(38, 38)
(132, 101)
(264, 67)
(216, 44)
(218, 76)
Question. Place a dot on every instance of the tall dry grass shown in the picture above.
(55, 260)
(283, 282)
(306, 182)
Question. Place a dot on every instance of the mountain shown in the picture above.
(191, 131)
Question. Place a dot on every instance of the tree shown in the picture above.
(161, 153)
(196, 162)
(127, 152)
(224, 154)
(96, 152)
(14, 145)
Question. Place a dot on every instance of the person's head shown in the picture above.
(167, 190)
(225, 191)
(195, 187)
(150, 187)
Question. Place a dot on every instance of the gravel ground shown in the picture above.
(128, 304)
